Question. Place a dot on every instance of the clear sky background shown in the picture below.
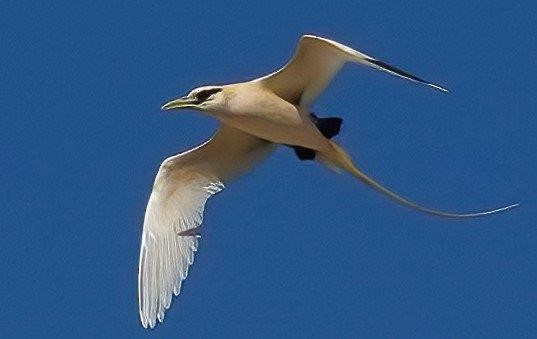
(292, 249)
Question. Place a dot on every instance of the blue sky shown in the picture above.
(291, 249)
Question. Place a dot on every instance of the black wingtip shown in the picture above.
(404, 74)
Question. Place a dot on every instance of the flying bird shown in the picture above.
(255, 117)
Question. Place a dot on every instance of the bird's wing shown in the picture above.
(315, 62)
(182, 186)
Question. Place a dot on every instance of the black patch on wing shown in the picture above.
(396, 70)
(304, 153)
(329, 127)
(191, 232)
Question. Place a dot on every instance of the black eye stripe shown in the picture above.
(203, 95)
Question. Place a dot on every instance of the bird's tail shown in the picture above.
(336, 158)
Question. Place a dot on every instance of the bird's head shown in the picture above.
(202, 98)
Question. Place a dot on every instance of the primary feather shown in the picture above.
(182, 186)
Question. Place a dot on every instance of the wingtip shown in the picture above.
(147, 322)
(381, 65)
(144, 323)
(442, 89)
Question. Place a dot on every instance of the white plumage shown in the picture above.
(254, 117)
(183, 184)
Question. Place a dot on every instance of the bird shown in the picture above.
(254, 117)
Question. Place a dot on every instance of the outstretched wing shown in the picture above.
(175, 209)
(315, 62)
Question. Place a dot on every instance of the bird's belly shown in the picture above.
(279, 131)
(265, 115)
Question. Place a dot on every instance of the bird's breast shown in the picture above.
(273, 119)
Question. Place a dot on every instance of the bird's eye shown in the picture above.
(205, 94)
